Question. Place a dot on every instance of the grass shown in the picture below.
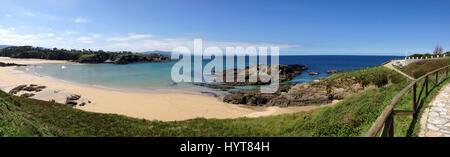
(421, 68)
(351, 117)
(378, 75)
(85, 56)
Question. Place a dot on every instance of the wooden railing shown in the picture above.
(386, 120)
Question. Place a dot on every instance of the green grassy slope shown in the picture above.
(418, 69)
(351, 117)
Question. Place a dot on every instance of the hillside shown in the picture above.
(420, 68)
(350, 117)
(81, 56)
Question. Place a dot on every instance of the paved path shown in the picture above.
(390, 66)
(435, 121)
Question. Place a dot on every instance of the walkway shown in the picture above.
(435, 121)
(390, 66)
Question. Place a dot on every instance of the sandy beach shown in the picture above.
(151, 106)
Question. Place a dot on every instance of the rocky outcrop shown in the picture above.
(313, 73)
(81, 56)
(72, 100)
(319, 93)
(333, 72)
(286, 73)
(254, 96)
(25, 88)
(9, 64)
(127, 59)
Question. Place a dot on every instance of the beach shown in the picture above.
(150, 106)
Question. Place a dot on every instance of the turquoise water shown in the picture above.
(156, 76)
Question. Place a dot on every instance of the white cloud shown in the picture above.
(30, 14)
(81, 20)
(88, 39)
(130, 37)
(8, 15)
(130, 42)
(70, 32)
(169, 44)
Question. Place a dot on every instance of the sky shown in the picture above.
(314, 27)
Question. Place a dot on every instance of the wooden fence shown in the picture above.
(386, 120)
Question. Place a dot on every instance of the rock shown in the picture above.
(34, 88)
(89, 102)
(10, 64)
(71, 100)
(17, 89)
(27, 95)
(31, 88)
(299, 95)
(302, 95)
(313, 73)
(83, 104)
(71, 103)
(287, 73)
(74, 97)
(333, 71)
(254, 96)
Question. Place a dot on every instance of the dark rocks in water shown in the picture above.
(10, 64)
(287, 73)
(333, 71)
(313, 73)
(27, 95)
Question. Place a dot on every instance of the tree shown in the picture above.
(438, 50)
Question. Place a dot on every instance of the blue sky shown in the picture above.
(315, 27)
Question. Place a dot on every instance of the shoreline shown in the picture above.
(151, 106)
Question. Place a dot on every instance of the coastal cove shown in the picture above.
(151, 106)
(156, 103)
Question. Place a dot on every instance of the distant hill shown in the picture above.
(164, 53)
(4, 46)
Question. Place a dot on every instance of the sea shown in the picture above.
(156, 77)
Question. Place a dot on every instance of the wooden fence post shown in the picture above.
(426, 86)
(414, 98)
(437, 78)
(388, 130)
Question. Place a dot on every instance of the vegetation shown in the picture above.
(379, 76)
(82, 56)
(438, 50)
(353, 116)
(418, 69)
